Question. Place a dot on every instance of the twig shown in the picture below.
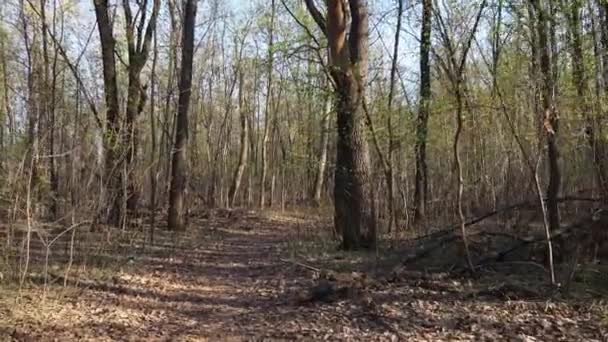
(528, 263)
(67, 230)
(490, 214)
(543, 205)
(308, 267)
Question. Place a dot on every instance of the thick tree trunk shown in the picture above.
(111, 141)
(420, 182)
(133, 105)
(176, 219)
(354, 212)
(353, 195)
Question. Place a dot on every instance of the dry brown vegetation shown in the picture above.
(244, 275)
(303, 170)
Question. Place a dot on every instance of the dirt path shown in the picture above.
(228, 282)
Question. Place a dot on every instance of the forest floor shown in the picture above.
(247, 276)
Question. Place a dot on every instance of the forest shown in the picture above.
(383, 170)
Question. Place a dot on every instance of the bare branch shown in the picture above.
(316, 15)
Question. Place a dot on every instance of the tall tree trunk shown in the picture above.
(176, 219)
(322, 163)
(167, 132)
(421, 183)
(354, 214)
(6, 95)
(579, 76)
(53, 172)
(244, 144)
(138, 43)
(45, 108)
(129, 136)
(49, 104)
(601, 145)
(32, 104)
(549, 117)
(111, 139)
(267, 112)
(603, 5)
(390, 171)
(154, 160)
(535, 75)
(3, 114)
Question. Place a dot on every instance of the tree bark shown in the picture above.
(176, 219)
(3, 112)
(390, 171)
(549, 116)
(32, 102)
(420, 182)
(354, 214)
(600, 148)
(579, 76)
(244, 144)
(267, 112)
(154, 160)
(7, 118)
(322, 163)
(454, 66)
(112, 173)
(47, 104)
(603, 5)
(138, 43)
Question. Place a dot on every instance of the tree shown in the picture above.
(354, 212)
(268, 109)
(139, 37)
(572, 11)
(454, 67)
(548, 116)
(120, 145)
(388, 160)
(112, 174)
(47, 105)
(244, 145)
(176, 218)
(322, 162)
(421, 182)
(603, 11)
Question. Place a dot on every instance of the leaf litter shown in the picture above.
(243, 279)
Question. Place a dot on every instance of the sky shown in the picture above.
(82, 22)
(80, 25)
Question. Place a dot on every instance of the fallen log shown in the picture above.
(473, 221)
(563, 232)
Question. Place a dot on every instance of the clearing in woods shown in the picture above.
(246, 275)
